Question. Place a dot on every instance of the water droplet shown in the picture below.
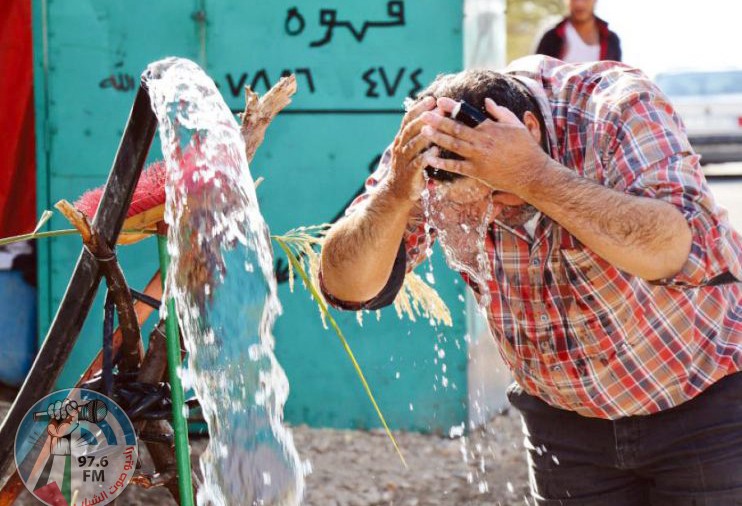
(456, 430)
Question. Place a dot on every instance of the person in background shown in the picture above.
(581, 36)
(578, 214)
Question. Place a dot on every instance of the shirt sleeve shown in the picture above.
(413, 249)
(644, 151)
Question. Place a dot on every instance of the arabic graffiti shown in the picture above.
(96, 499)
(390, 85)
(328, 18)
(118, 82)
(294, 23)
(261, 82)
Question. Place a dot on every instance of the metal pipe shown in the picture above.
(108, 310)
(180, 424)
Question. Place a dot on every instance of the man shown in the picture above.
(581, 36)
(609, 276)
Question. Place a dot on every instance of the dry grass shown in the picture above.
(415, 299)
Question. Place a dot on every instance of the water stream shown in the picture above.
(222, 280)
(461, 229)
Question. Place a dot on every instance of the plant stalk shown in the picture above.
(323, 307)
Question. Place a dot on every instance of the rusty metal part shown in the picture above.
(143, 312)
(147, 481)
(153, 370)
(12, 489)
(132, 350)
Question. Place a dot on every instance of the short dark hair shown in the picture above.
(473, 86)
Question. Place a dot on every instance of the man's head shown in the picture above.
(473, 86)
(581, 11)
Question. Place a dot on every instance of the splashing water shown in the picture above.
(461, 231)
(222, 281)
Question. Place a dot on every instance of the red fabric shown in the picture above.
(17, 146)
(51, 494)
(603, 30)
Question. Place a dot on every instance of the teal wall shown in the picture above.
(89, 55)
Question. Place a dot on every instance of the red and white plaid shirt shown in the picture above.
(575, 330)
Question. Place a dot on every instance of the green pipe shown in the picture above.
(180, 424)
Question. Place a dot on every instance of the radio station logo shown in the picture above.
(76, 447)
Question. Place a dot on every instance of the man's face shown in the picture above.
(581, 10)
(464, 191)
(467, 201)
(468, 191)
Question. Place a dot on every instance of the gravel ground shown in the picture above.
(359, 468)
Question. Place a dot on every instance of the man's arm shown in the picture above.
(359, 251)
(645, 237)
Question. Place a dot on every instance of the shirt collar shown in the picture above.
(526, 71)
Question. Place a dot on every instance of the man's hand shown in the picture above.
(646, 237)
(409, 153)
(63, 421)
(503, 154)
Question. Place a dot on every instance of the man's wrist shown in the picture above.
(396, 195)
(537, 183)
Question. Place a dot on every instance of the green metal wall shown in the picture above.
(355, 63)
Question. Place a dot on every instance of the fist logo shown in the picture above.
(62, 422)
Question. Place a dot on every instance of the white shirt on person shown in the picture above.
(577, 51)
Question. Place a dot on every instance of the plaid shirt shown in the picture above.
(575, 330)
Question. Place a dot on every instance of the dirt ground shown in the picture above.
(358, 468)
